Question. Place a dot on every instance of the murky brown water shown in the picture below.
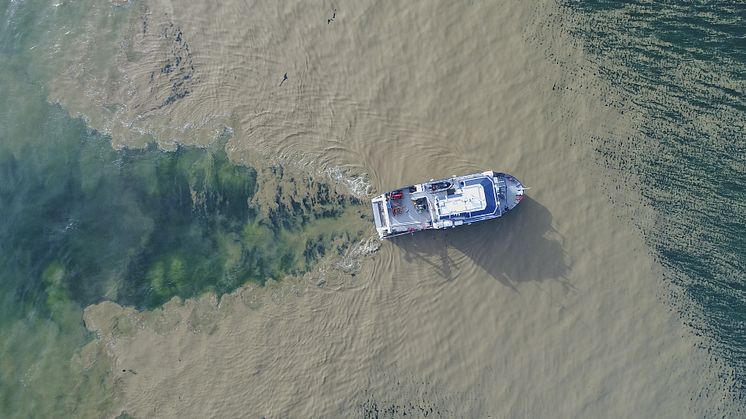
(553, 311)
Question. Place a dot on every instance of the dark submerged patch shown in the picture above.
(141, 226)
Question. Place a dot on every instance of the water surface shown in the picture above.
(616, 291)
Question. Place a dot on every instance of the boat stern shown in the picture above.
(381, 216)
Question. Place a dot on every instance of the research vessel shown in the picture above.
(445, 203)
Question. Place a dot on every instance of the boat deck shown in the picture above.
(489, 203)
(409, 215)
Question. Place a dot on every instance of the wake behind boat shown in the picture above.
(439, 204)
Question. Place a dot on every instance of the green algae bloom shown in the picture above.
(140, 226)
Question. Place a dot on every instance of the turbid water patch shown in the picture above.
(552, 312)
(43, 371)
(678, 71)
(82, 222)
(141, 226)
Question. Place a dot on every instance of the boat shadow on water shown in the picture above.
(520, 246)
